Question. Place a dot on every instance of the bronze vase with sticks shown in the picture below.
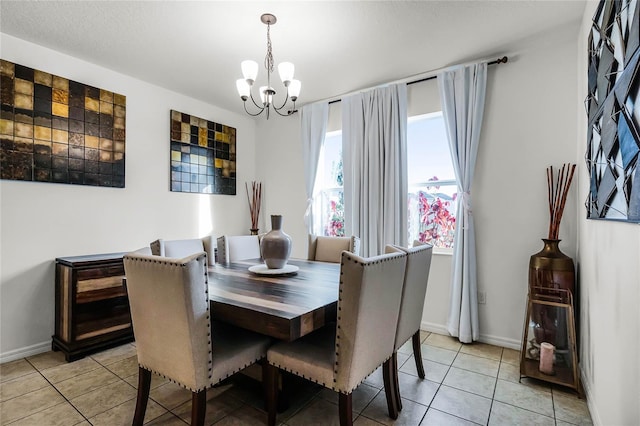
(254, 204)
(551, 270)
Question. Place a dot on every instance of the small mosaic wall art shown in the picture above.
(53, 129)
(203, 155)
(613, 110)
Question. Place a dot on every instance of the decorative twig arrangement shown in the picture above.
(558, 188)
(254, 202)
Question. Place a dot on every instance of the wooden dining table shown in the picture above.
(285, 307)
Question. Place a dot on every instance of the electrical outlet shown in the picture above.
(482, 297)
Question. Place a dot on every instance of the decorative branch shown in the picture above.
(254, 202)
(557, 190)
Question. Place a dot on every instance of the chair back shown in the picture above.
(238, 247)
(414, 290)
(329, 249)
(179, 249)
(170, 315)
(368, 307)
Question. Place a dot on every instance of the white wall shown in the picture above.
(529, 124)
(42, 221)
(609, 271)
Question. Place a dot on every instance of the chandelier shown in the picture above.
(250, 72)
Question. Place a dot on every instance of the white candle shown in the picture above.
(546, 358)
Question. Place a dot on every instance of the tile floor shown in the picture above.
(465, 385)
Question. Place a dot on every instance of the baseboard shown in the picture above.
(25, 352)
(484, 338)
(588, 394)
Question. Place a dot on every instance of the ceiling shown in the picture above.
(195, 48)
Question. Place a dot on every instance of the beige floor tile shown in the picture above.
(86, 382)
(47, 360)
(416, 389)
(471, 382)
(122, 415)
(446, 342)
(362, 396)
(217, 408)
(125, 367)
(156, 380)
(59, 415)
(170, 395)
(28, 404)
(462, 404)
(508, 415)
(244, 416)
(365, 421)
(570, 408)
(115, 354)
(524, 396)
(439, 418)
(436, 354)
(477, 364)
(15, 369)
(433, 371)
(66, 371)
(102, 399)
(375, 379)
(511, 373)
(22, 385)
(482, 350)
(167, 419)
(406, 348)
(318, 412)
(511, 356)
(411, 414)
(424, 335)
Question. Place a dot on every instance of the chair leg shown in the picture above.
(271, 379)
(345, 408)
(198, 407)
(417, 354)
(144, 384)
(389, 388)
(396, 384)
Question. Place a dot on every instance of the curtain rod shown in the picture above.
(502, 60)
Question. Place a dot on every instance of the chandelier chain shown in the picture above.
(268, 60)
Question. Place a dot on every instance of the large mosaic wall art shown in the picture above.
(203, 155)
(57, 130)
(613, 109)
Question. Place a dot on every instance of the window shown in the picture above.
(329, 202)
(431, 178)
(432, 182)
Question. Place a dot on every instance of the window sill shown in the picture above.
(443, 251)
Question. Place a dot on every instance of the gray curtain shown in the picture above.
(462, 92)
(374, 152)
(313, 127)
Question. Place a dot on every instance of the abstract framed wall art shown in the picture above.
(613, 110)
(53, 129)
(203, 155)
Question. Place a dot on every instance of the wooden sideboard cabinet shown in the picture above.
(92, 308)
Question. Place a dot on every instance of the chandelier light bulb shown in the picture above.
(294, 89)
(249, 71)
(286, 70)
(244, 90)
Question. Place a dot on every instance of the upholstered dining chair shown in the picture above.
(341, 357)
(413, 293)
(329, 249)
(175, 337)
(238, 247)
(182, 248)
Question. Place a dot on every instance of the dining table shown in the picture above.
(284, 306)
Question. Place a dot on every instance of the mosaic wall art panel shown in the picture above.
(203, 155)
(53, 129)
(613, 109)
